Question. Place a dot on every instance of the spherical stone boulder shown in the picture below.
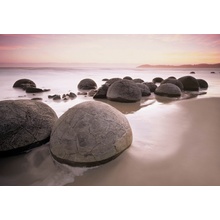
(87, 84)
(24, 83)
(138, 80)
(157, 80)
(171, 77)
(89, 134)
(168, 90)
(151, 86)
(124, 91)
(189, 83)
(101, 92)
(111, 81)
(145, 91)
(202, 84)
(25, 124)
(127, 77)
(173, 81)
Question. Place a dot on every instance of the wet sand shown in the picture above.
(177, 143)
(174, 144)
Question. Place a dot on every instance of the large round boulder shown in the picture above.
(127, 77)
(87, 84)
(124, 91)
(173, 81)
(202, 84)
(151, 86)
(25, 124)
(138, 80)
(24, 83)
(101, 92)
(89, 134)
(189, 83)
(157, 80)
(145, 91)
(168, 90)
(111, 81)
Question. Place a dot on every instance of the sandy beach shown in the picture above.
(181, 147)
(174, 144)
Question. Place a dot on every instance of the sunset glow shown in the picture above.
(110, 49)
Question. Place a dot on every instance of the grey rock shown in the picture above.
(89, 134)
(145, 91)
(202, 84)
(87, 84)
(173, 81)
(124, 91)
(33, 90)
(101, 92)
(127, 77)
(189, 83)
(24, 124)
(24, 83)
(151, 86)
(157, 80)
(111, 81)
(168, 90)
(138, 80)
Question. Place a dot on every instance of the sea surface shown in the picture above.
(38, 167)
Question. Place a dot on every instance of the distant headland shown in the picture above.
(202, 65)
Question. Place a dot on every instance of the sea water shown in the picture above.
(38, 167)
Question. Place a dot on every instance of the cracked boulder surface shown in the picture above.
(90, 134)
(25, 124)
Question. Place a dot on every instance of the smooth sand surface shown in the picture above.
(177, 143)
(174, 144)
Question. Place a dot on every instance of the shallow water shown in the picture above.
(160, 129)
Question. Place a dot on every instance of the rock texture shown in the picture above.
(111, 81)
(124, 91)
(169, 90)
(24, 124)
(89, 134)
(189, 83)
(24, 83)
(33, 90)
(173, 81)
(138, 80)
(87, 84)
(101, 92)
(157, 80)
(202, 84)
(145, 91)
(151, 86)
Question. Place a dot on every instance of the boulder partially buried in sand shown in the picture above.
(145, 91)
(151, 86)
(24, 83)
(25, 124)
(168, 90)
(173, 81)
(124, 91)
(87, 84)
(189, 83)
(202, 84)
(89, 134)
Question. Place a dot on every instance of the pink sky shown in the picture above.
(110, 49)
